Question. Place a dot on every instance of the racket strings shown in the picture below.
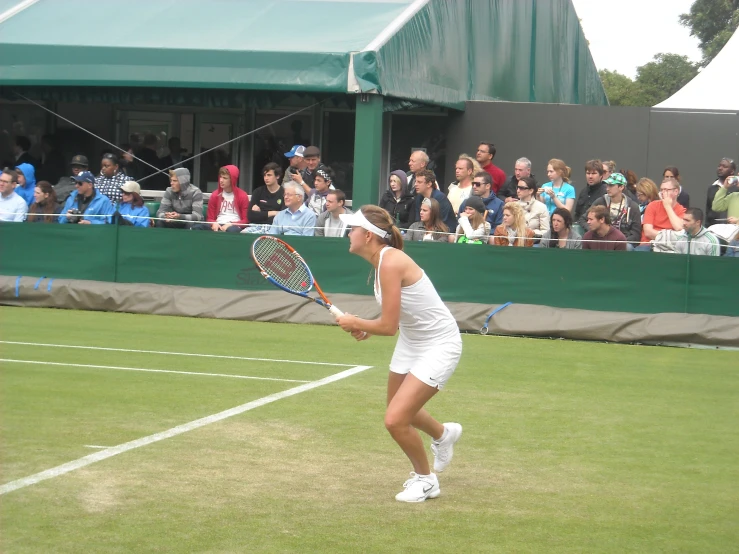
(282, 265)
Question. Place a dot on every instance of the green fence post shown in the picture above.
(367, 149)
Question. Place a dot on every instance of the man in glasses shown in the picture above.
(482, 187)
(662, 214)
(86, 205)
(726, 169)
(12, 205)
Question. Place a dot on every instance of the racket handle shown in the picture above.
(336, 312)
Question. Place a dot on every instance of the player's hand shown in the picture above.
(360, 335)
(347, 322)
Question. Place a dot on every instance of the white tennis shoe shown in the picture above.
(418, 488)
(444, 449)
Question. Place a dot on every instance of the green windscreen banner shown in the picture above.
(634, 282)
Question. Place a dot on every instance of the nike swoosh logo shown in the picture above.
(426, 490)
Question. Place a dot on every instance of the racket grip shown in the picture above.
(336, 312)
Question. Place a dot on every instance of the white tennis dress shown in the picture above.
(429, 345)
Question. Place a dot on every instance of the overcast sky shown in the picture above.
(625, 34)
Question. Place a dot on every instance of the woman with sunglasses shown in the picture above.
(535, 212)
(111, 178)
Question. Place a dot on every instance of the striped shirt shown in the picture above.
(111, 186)
(704, 243)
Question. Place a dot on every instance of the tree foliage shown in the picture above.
(712, 22)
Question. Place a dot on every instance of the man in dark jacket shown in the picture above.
(482, 187)
(595, 188)
(426, 188)
(508, 192)
(623, 210)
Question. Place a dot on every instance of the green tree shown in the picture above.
(663, 77)
(712, 22)
(620, 89)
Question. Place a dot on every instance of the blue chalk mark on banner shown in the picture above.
(35, 287)
(18, 286)
(484, 329)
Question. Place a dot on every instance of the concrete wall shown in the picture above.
(644, 140)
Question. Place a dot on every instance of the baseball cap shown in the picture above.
(616, 179)
(131, 186)
(312, 152)
(296, 150)
(80, 160)
(84, 177)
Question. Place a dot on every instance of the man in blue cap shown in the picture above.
(297, 162)
(86, 205)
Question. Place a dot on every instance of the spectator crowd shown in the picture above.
(613, 210)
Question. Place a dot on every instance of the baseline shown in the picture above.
(174, 431)
(41, 344)
(153, 370)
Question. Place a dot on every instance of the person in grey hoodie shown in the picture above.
(624, 211)
(182, 203)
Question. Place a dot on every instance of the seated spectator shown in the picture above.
(625, 215)
(12, 206)
(535, 213)
(26, 182)
(228, 205)
(44, 207)
(296, 218)
(646, 192)
(726, 169)
(485, 155)
(86, 205)
(594, 188)
(323, 182)
(732, 250)
(521, 169)
(473, 228)
(461, 189)
(66, 185)
(609, 166)
(482, 188)
(418, 161)
(397, 201)
(131, 209)
(697, 240)
(425, 184)
(312, 159)
(431, 227)
(727, 199)
(182, 203)
(602, 236)
(329, 224)
(671, 172)
(662, 214)
(558, 192)
(111, 178)
(296, 161)
(561, 234)
(513, 231)
(631, 180)
(267, 201)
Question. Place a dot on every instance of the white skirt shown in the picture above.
(432, 363)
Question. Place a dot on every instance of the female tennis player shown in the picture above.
(427, 352)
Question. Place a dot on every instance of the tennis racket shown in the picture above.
(281, 265)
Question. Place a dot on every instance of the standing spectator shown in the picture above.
(558, 192)
(602, 236)
(26, 182)
(482, 187)
(431, 226)
(535, 212)
(268, 200)
(646, 192)
(86, 205)
(513, 231)
(111, 178)
(594, 188)
(671, 172)
(329, 224)
(521, 169)
(149, 164)
(12, 206)
(228, 205)
(609, 167)
(473, 228)
(397, 200)
(131, 209)
(426, 188)
(727, 199)
(461, 189)
(20, 149)
(419, 161)
(296, 161)
(182, 203)
(323, 182)
(485, 155)
(52, 166)
(66, 185)
(625, 214)
(296, 218)
(561, 235)
(44, 207)
(312, 157)
(662, 214)
(127, 162)
(697, 240)
(726, 168)
(174, 159)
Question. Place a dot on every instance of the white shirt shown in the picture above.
(13, 207)
(228, 213)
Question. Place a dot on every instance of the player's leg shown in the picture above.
(422, 420)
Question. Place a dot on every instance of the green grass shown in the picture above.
(567, 447)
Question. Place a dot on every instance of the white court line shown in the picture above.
(174, 431)
(172, 353)
(95, 446)
(153, 370)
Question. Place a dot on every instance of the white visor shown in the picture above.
(357, 219)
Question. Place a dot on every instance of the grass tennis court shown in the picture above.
(567, 446)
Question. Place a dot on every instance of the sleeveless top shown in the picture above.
(423, 315)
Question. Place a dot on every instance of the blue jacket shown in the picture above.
(99, 205)
(493, 205)
(126, 210)
(447, 212)
(26, 191)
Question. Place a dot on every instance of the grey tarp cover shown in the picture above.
(276, 306)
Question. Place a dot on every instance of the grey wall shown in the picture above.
(644, 140)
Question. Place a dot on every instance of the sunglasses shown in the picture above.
(523, 188)
(478, 184)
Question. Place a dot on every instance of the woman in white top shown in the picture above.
(427, 351)
(431, 227)
(535, 212)
(472, 228)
